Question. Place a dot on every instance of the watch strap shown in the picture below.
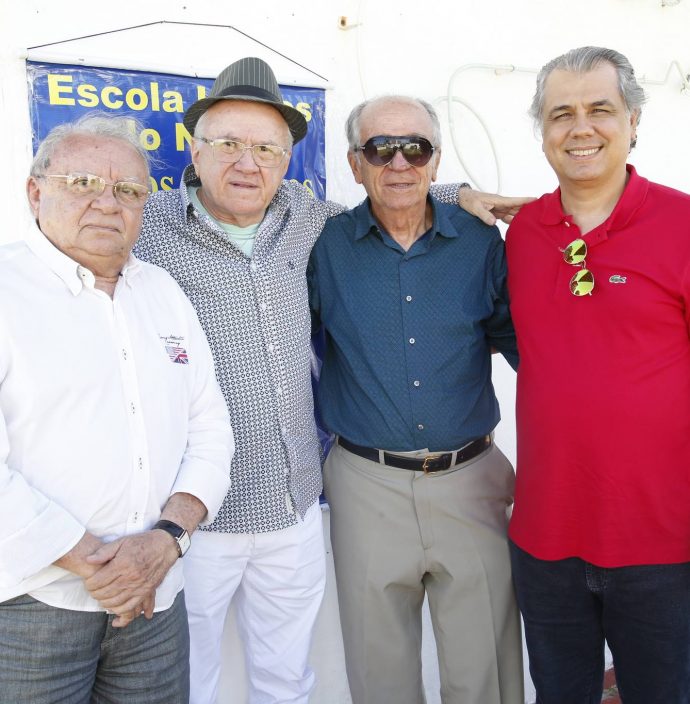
(178, 533)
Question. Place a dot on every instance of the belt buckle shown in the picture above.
(429, 458)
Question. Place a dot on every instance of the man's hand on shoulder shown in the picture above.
(489, 207)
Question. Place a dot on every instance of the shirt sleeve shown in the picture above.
(301, 197)
(447, 192)
(35, 530)
(314, 296)
(205, 468)
(499, 328)
(686, 294)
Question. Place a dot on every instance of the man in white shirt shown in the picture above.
(115, 441)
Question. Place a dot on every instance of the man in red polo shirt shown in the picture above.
(599, 278)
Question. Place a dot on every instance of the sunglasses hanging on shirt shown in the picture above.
(582, 283)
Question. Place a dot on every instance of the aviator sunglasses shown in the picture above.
(582, 282)
(380, 150)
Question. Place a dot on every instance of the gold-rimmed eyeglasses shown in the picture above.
(229, 151)
(128, 193)
(582, 282)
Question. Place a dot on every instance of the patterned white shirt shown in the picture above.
(255, 313)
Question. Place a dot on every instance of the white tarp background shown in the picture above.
(475, 59)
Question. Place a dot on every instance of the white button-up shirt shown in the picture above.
(107, 408)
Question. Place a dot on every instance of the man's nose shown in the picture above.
(246, 161)
(582, 123)
(106, 201)
(398, 161)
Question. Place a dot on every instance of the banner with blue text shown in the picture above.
(60, 93)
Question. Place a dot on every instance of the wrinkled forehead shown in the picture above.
(236, 118)
(103, 156)
(395, 117)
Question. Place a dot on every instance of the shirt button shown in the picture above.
(270, 347)
(412, 340)
(252, 266)
(263, 306)
(567, 224)
(420, 427)
(416, 382)
(408, 298)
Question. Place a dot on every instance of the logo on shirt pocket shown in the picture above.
(174, 348)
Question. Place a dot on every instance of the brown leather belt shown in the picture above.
(429, 464)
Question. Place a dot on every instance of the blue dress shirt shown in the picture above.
(408, 335)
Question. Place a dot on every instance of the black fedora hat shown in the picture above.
(249, 79)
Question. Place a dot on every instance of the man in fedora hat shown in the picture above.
(237, 238)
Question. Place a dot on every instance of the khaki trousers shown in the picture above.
(398, 534)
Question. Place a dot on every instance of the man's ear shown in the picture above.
(33, 193)
(634, 120)
(353, 160)
(436, 160)
(195, 156)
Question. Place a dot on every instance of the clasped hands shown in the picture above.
(123, 575)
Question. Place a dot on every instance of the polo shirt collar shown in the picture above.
(630, 201)
(73, 275)
(365, 221)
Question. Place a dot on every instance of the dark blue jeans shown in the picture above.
(570, 607)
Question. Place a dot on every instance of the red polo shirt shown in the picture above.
(603, 388)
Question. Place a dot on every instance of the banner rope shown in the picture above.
(189, 24)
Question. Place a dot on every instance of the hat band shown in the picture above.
(253, 91)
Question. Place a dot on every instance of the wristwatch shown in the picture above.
(179, 534)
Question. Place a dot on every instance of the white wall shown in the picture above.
(440, 50)
(392, 46)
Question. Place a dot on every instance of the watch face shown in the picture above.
(184, 542)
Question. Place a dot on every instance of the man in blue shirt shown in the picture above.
(412, 298)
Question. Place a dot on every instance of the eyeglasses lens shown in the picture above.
(575, 252)
(582, 283)
(379, 151)
(229, 151)
(128, 193)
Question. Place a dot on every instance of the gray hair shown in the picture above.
(95, 124)
(352, 130)
(582, 60)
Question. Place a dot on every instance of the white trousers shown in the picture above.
(277, 580)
